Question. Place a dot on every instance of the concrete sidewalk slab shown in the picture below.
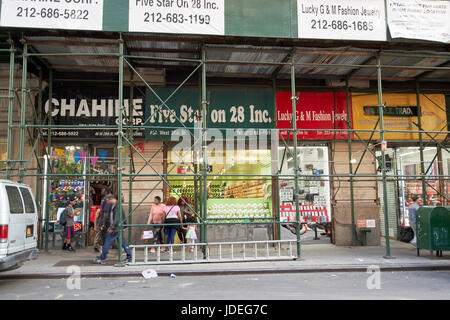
(315, 258)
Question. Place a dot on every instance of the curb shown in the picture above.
(167, 273)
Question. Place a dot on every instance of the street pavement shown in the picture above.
(316, 286)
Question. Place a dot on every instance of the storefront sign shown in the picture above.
(228, 109)
(93, 107)
(323, 111)
(342, 19)
(400, 113)
(177, 16)
(419, 19)
(56, 14)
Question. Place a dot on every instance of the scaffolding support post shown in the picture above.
(294, 126)
(383, 159)
(204, 150)
(350, 164)
(275, 180)
(49, 154)
(23, 110)
(10, 108)
(422, 162)
(119, 150)
(39, 153)
(131, 164)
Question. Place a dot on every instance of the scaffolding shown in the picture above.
(23, 51)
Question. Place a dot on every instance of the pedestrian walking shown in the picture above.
(69, 214)
(184, 204)
(173, 215)
(191, 231)
(412, 216)
(157, 216)
(100, 231)
(112, 219)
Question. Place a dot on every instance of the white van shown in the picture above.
(18, 224)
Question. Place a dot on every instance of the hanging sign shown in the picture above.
(228, 109)
(177, 16)
(342, 19)
(401, 112)
(91, 107)
(419, 19)
(315, 110)
(56, 14)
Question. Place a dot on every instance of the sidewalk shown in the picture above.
(315, 258)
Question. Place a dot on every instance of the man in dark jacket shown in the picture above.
(111, 223)
(100, 232)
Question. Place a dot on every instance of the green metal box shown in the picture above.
(433, 229)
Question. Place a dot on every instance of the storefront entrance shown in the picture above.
(313, 193)
(79, 171)
(406, 163)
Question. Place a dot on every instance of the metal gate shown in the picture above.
(214, 252)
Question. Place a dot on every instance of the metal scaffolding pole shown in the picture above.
(383, 159)
(275, 180)
(422, 163)
(10, 108)
(204, 150)
(39, 154)
(294, 126)
(49, 154)
(119, 150)
(350, 164)
(23, 110)
(131, 164)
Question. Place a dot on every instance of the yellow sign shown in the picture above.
(400, 113)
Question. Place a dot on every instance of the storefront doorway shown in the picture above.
(313, 193)
(78, 173)
(406, 163)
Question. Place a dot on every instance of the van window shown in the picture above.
(28, 200)
(15, 200)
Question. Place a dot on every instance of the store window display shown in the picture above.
(314, 184)
(409, 166)
(67, 160)
(238, 188)
(446, 169)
